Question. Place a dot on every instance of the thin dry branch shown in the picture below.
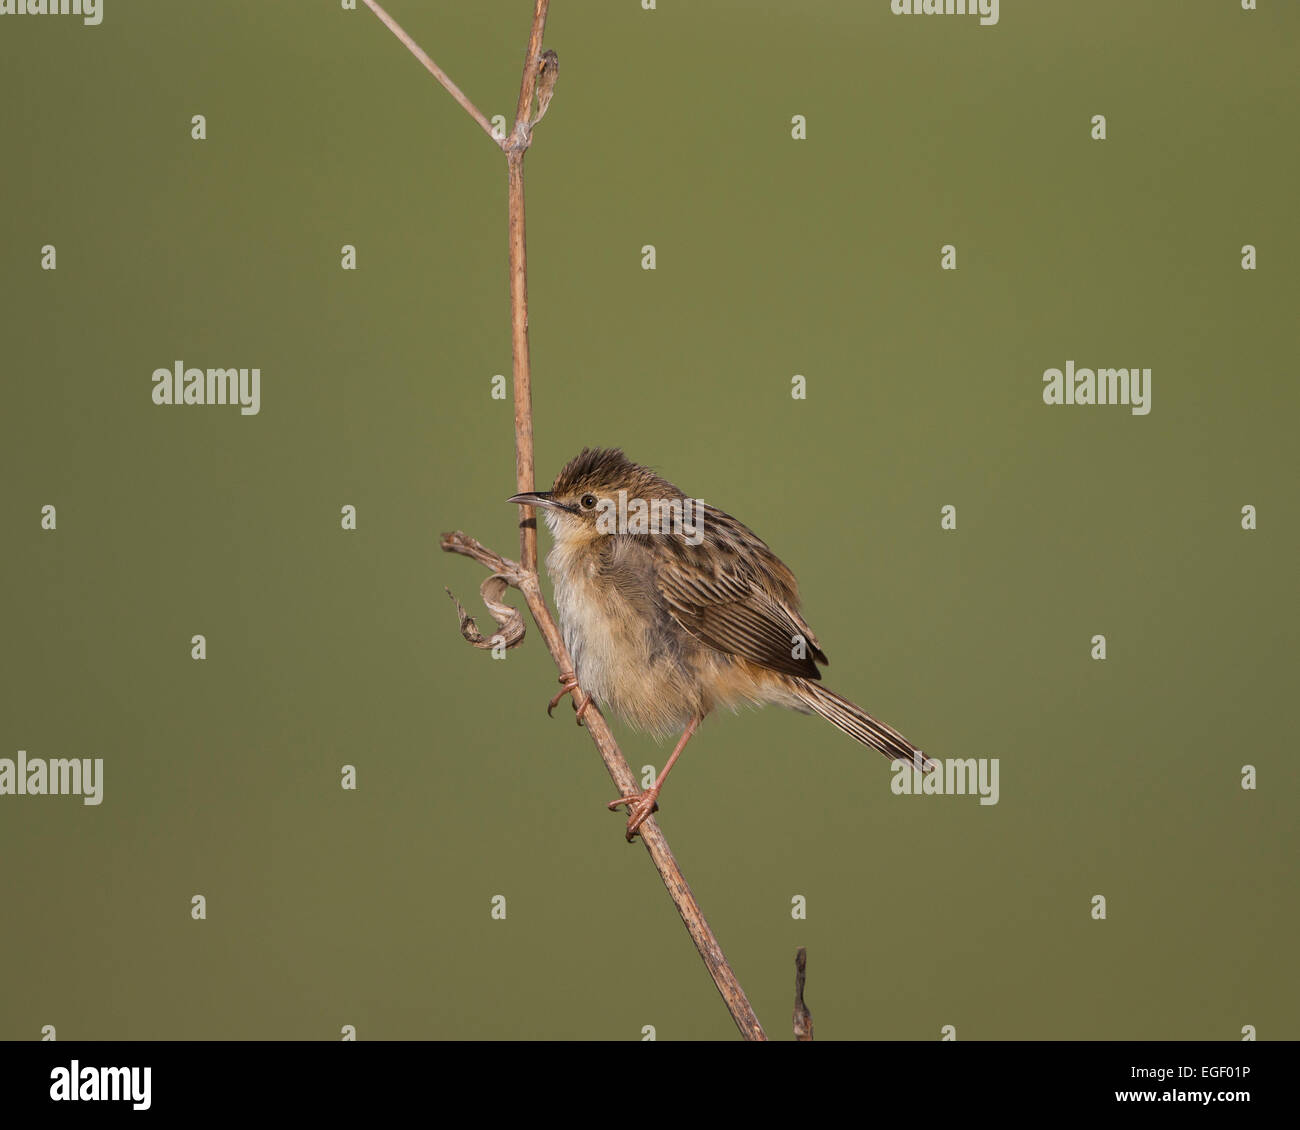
(523, 381)
(437, 72)
(523, 574)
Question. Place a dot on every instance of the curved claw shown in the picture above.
(568, 684)
(641, 807)
(582, 707)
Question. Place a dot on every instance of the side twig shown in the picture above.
(437, 72)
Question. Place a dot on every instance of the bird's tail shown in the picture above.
(857, 723)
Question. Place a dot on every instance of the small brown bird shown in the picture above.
(672, 608)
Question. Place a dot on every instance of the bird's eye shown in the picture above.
(588, 501)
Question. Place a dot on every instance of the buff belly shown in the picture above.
(646, 676)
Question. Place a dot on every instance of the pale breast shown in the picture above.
(621, 655)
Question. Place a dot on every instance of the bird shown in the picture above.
(671, 609)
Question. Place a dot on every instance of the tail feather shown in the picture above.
(857, 723)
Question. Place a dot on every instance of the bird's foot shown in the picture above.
(568, 685)
(640, 807)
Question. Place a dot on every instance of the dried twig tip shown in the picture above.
(803, 1024)
(510, 621)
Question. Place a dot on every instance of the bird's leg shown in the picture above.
(568, 685)
(640, 806)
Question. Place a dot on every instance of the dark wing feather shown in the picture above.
(732, 593)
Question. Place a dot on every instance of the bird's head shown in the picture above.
(594, 494)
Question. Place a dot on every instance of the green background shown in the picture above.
(775, 257)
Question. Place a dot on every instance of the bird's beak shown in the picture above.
(543, 498)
